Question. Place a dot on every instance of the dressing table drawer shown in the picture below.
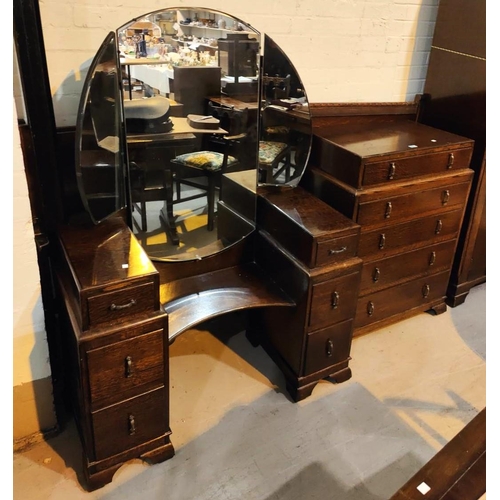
(336, 250)
(398, 168)
(412, 294)
(328, 347)
(123, 303)
(136, 421)
(126, 369)
(384, 272)
(333, 300)
(415, 232)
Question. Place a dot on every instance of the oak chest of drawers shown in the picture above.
(406, 185)
(310, 250)
(117, 347)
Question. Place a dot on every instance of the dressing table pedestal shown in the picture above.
(310, 250)
(116, 343)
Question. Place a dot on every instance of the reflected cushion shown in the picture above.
(208, 160)
(269, 150)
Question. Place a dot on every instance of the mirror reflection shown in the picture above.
(206, 118)
(190, 90)
(286, 131)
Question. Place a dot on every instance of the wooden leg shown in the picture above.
(211, 203)
(300, 393)
(341, 376)
(439, 309)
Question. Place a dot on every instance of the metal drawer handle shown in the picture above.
(340, 250)
(446, 196)
(376, 274)
(335, 300)
(439, 226)
(131, 425)
(329, 348)
(370, 308)
(381, 241)
(128, 366)
(451, 159)
(388, 209)
(392, 171)
(116, 307)
(425, 291)
(432, 258)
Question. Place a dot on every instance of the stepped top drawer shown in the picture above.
(369, 154)
(122, 303)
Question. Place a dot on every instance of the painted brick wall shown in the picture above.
(344, 50)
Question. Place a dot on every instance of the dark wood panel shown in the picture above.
(457, 471)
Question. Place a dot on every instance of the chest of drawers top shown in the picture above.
(368, 154)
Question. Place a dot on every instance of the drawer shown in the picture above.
(122, 303)
(412, 204)
(125, 369)
(383, 272)
(334, 300)
(126, 425)
(328, 347)
(386, 303)
(392, 170)
(336, 250)
(415, 232)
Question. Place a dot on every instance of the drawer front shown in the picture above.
(337, 250)
(382, 273)
(415, 232)
(123, 426)
(412, 204)
(334, 300)
(384, 304)
(381, 172)
(125, 369)
(120, 304)
(328, 347)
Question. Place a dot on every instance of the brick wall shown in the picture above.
(344, 50)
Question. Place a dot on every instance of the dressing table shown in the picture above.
(280, 251)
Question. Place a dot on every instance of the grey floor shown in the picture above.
(237, 435)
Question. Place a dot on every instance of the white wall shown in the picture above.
(344, 50)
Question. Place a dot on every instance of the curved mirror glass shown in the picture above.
(201, 109)
(191, 101)
(100, 148)
(286, 131)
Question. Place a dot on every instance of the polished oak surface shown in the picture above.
(457, 471)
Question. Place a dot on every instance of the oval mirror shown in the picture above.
(209, 108)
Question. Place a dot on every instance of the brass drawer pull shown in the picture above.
(128, 366)
(335, 300)
(392, 171)
(432, 258)
(116, 307)
(340, 250)
(451, 159)
(425, 291)
(329, 348)
(131, 425)
(376, 274)
(439, 226)
(388, 209)
(446, 196)
(370, 308)
(381, 241)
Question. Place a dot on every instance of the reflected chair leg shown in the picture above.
(211, 202)
(144, 220)
(167, 212)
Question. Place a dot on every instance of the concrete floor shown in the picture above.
(237, 435)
